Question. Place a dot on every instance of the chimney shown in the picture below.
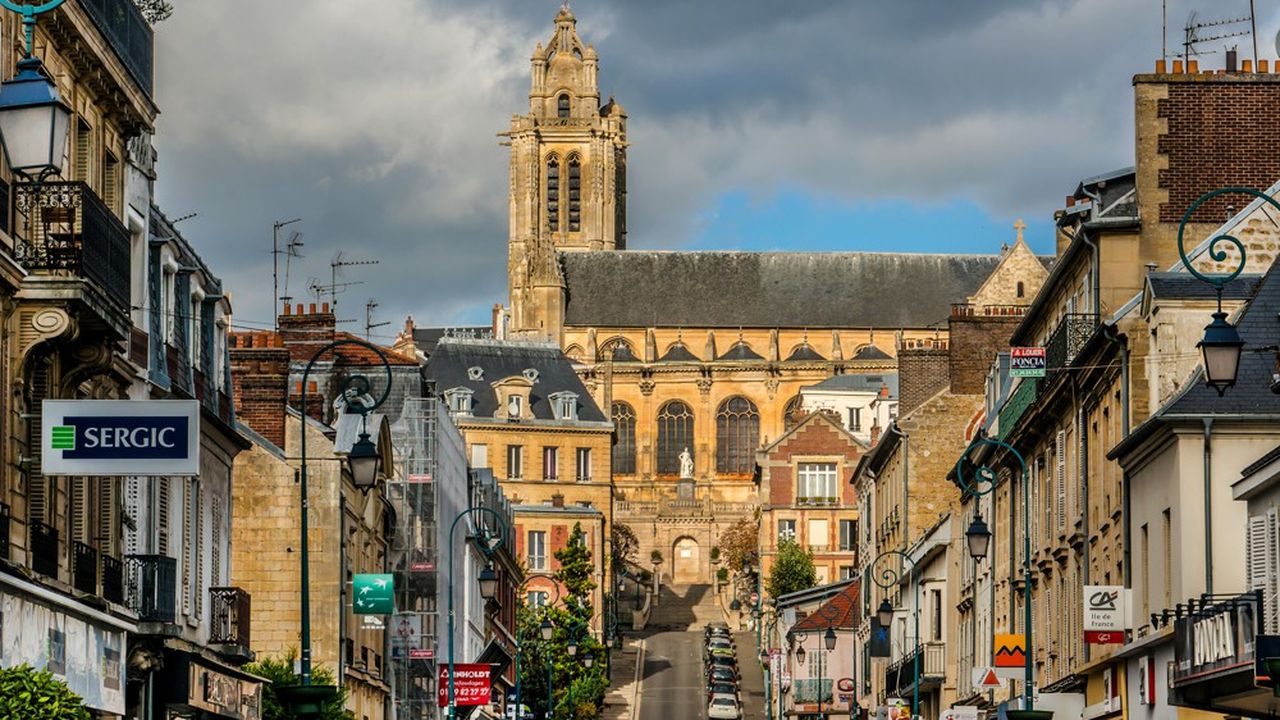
(1232, 60)
(306, 332)
(875, 434)
(557, 500)
(259, 382)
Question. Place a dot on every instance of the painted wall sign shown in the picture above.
(1027, 362)
(120, 437)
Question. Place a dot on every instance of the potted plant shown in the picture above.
(715, 555)
(655, 557)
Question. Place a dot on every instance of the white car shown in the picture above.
(723, 707)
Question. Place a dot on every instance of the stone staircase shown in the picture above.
(619, 702)
(685, 607)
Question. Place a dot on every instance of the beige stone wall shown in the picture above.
(1020, 266)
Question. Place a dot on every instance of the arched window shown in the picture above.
(624, 448)
(575, 194)
(792, 414)
(553, 193)
(618, 349)
(562, 105)
(1021, 290)
(675, 433)
(737, 435)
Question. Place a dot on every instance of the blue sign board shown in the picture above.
(120, 437)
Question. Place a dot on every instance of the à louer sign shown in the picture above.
(120, 437)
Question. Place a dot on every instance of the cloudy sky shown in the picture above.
(757, 124)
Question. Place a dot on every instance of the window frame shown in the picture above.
(582, 464)
(550, 462)
(814, 475)
(536, 561)
(675, 433)
(737, 435)
(515, 456)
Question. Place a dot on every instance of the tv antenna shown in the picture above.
(275, 264)
(335, 269)
(369, 324)
(320, 289)
(1191, 36)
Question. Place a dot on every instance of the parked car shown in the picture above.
(717, 641)
(720, 653)
(722, 661)
(723, 707)
(719, 673)
(717, 627)
(721, 688)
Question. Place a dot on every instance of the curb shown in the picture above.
(635, 688)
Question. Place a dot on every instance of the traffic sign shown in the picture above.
(1027, 362)
(985, 678)
(373, 594)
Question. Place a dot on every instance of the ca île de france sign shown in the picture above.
(1106, 614)
(120, 437)
(1217, 638)
(1028, 362)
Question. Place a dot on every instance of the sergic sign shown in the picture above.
(120, 437)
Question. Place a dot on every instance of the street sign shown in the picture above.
(373, 594)
(120, 437)
(1011, 650)
(1028, 362)
(985, 678)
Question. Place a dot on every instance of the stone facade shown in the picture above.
(542, 531)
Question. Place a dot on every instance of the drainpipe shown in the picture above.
(1082, 469)
(1208, 506)
(1109, 332)
(906, 491)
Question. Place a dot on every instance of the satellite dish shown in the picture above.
(1278, 43)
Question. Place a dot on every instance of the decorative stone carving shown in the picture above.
(704, 385)
(646, 387)
(686, 464)
(771, 387)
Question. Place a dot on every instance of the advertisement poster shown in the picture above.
(471, 684)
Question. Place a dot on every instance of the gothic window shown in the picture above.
(619, 349)
(562, 105)
(675, 433)
(792, 413)
(624, 448)
(553, 193)
(737, 435)
(575, 195)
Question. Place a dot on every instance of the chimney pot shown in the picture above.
(313, 309)
(1246, 65)
(1262, 64)
(288, 309)
(324, 308)
(1177, 67)
(1232, 60)
(1193, 67)
(299, 309)
(312, 387)
(1161, 67)
(1071, 201)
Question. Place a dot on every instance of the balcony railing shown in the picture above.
(811, 691)
(1066, 341)
(824, 501)
(84, 568)
(230, 616)
(900, 676)
(972, 310)
(5, 516)
(44, 548)
(128, 34)
(112, 580)
(151, 588)
(65, 229)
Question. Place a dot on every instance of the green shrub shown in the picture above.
(29, 693)
(722, 575)
(280, 672)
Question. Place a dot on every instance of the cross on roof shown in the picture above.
(1019, 226)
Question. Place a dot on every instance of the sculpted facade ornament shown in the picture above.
(704, 385)
(646, 387)
(771, 387)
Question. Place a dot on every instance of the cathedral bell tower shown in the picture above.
(568, 178)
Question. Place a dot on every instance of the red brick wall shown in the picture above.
(922, 373)
(975, 340)
(259, 383)
(305, 332)
(1221, 132)
(814, 438)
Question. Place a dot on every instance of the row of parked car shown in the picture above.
(720, 656)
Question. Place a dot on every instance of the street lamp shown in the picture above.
(365, 462)
(588, 660)
(546, 628)
(887, 579)
(572, 646)
(487, 578)
(33, 118)
(488, 581)
(829, 639)
(307, 700)
(800, 653)
(978, 536)
(884, 613)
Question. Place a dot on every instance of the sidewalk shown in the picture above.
(619, 702)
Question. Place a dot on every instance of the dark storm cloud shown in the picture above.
(379, 127)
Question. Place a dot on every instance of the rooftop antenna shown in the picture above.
(275, 264)
(369, 324)
(290, 252)
(188, 216)
(1191, 36)
(320, 289)
(335, 269)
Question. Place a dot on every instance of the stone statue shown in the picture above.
(686, 464)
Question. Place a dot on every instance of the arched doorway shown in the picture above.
(686, 561)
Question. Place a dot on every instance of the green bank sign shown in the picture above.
(373, 594)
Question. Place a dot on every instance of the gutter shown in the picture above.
(1208, 506)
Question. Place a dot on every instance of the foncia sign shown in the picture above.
(120, 437)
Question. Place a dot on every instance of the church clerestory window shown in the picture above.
(793, 413)
(737, 435)
(562, 105)
(575, 195)
(624, 448)
(553, 193)
(675, 433)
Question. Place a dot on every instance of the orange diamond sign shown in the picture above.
(1011, 650)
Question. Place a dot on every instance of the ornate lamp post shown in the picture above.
(884, 614)
(307, 700)
(33, 118)
(978, 536)
(488, 580)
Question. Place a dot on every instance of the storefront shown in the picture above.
(194, 686)
(1216, 661)
(78, 644)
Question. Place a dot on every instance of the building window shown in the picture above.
(737, 435)
(553, 193)
(562, 105)
(537, 550)
(111, 182)
(786, 530)
(847, 572)
(550, 463)
(675, 433)
(479, 456)
(538, 598)
(848, 534)
(624, 446)
(515, 462)
(575, 195)
(564, 405)
(819, 535)
(855, 419)
(817, 484)
(515, 407)
(1022, 290)
(792, 413)
(583, 470)
(935, 601)
(459, 400)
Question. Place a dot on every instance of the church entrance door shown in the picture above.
(687, 561)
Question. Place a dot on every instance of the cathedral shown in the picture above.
(698, 358)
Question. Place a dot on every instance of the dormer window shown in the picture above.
(459, 400)
(475, 373)
(530, 374)
(564, 405)
(562, 105)
(515, 406)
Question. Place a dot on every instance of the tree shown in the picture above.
(280, 672)
(739, 543)
(793, 569)
(625, 545)
(29, 693)
(154, 11)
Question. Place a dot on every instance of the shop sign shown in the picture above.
(1027, 362)
(120, 437)
(1146, 680)
(373, 594)
(86, 656)
(1105, 614)
(471, 685)
(1218, 638)
(1011, 650)
(222, 694)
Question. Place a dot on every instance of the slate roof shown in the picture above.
(840, 612)
(740, 351)
(859, 382)
(773, 289)
(871, 352)
(427, 337)
(678, 352)
(502, 359)
(805, 351)
(1185, 286)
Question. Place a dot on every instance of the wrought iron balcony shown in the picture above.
(818, 501)
(84, 568)
(44, 548)
(900, 676)
(129, 35)
(112, 580)
(229, 608)
(64, 229)
(810, 691)
(151, 587)
(5, 516)
(1066, 341)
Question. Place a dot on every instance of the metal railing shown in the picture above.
(900, 676)
(1066, 341)
(151, 588)
(65, 228)
(44, 548)
(129, 35)
(811, 691)
(229, 607)
(5, 517)
(973, 310)
(84, 568)
(112, 580)
(825, 501)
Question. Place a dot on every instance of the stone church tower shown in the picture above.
(568, 178)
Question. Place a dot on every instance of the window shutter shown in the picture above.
(1060, 476)
(202, 525)
(80, 509)
(190, 545)
(133, 509)
(162, 524)
(108, 510)
(37, 483)
(215, 551)
(84, 148)
(1269, 603)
